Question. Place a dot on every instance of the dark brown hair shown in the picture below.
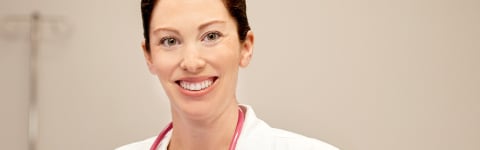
(236, 8)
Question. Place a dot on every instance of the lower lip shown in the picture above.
(198, 93)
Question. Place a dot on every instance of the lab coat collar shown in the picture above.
(255, 133)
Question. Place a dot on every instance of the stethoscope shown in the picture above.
(233, 144)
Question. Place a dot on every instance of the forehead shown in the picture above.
(188, 12)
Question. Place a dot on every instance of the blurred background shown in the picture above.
(359, 74)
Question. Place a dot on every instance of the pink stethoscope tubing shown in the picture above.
(233, 144)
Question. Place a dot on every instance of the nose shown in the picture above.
(192, 61)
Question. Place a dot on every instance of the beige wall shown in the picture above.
(362, 75)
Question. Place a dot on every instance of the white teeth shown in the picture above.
(197, 86)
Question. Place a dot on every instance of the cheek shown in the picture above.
(224, 59)
(163, 65)
(230, 53)
(228, 64)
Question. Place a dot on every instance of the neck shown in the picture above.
(215, 132)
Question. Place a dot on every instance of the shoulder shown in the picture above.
(258, 135)
(140, 145)
(288, 140)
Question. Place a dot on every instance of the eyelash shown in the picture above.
(217, 34)
(164, 39)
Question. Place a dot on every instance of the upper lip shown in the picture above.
(196, 79)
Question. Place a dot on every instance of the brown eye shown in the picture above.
(169, 42)
(212, 36)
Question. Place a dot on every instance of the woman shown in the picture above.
(195, 48)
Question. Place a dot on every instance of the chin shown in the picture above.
(196, 110)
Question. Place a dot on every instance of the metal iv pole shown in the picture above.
(36, 24)
(32, 107)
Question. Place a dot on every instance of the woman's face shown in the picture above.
(196, 54)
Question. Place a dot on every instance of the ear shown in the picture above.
(246, 51)
(148, 58)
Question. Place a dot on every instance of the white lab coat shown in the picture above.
(256, 135)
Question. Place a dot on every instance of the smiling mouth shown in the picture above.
(196, 85)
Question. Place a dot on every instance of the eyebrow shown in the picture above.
(164, 29)
(201, 27)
